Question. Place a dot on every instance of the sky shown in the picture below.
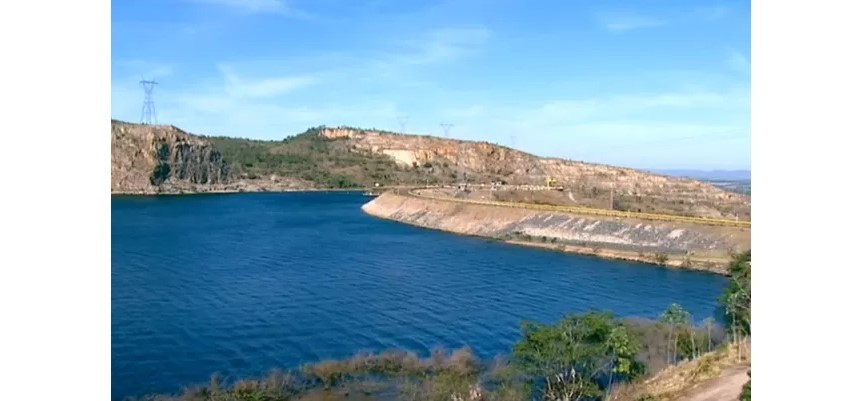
(646, 84)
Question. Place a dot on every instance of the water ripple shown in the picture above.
(240, 284)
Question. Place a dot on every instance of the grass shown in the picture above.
(673, 380)
(441, 376)
(441, 372)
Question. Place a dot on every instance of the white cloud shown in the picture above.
(712, 12)
(441, 45)
(256, 6)
(621, 105)
(627, 21)
(238, 87)
(619, 128)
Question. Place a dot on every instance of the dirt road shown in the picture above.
(725, 387)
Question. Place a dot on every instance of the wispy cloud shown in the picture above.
(441, 45)
(712, 12)
(614, 128)
(280, 7)
(238, 87)
(580, 110)
(622, 21)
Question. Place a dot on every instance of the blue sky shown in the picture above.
(646, 84)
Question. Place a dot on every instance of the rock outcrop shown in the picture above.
(486, 162)
(161, 158)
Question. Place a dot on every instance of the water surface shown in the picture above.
(240, 284)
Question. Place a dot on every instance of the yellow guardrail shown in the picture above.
(592, 211)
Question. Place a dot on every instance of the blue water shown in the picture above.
(240, 284)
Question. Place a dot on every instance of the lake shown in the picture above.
(243, 283)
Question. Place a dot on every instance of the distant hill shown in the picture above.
(709, 175)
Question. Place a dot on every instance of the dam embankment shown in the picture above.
(673, 244)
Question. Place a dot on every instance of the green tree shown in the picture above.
(623, 347)
(736, 298)
(677, 317)
(567, 360)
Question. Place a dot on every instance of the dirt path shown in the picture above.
(725, 387)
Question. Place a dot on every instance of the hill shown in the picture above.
(159, 159)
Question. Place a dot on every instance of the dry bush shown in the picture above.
(673, 380)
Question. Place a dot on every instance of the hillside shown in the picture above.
(441, 160)
(316, 159)
(164, 158)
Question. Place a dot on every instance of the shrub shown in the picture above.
(746, 390)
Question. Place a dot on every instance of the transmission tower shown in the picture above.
(148, 111)
(446, 128)
(402, 121)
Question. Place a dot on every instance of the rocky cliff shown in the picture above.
(676, 244)
(154, 159)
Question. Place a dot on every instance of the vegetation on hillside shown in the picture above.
(325, 162)
(581, 357)
(736, 300)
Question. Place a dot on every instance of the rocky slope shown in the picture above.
(164, 159)
(152, 159)
(484, 163)
(687, 245)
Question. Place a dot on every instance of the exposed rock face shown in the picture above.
(485, 162)
(707, 247)
(152, 159)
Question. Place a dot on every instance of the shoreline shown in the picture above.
(178, 192)
(698, 264)
(680, 246)
(706, 265)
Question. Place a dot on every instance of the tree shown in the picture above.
(623, 348)
(736, 298)
(567, 360)
(675, 316)
(710, 322)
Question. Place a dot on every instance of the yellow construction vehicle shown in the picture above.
(551, 182)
